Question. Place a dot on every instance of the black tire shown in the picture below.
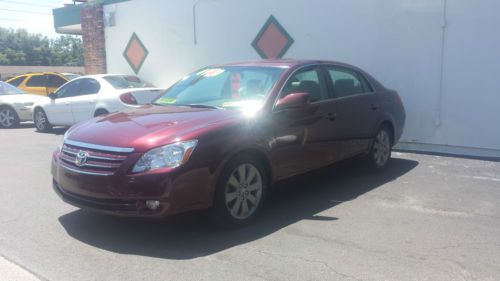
(380, 152)
(42, 123)
(100, 112)
(221, 213)
(8, 118)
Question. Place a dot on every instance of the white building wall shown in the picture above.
(441, 55)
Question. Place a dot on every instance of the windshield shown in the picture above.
(223, 87)
(127, 81)
(7, 89)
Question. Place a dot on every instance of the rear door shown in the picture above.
(356, 109)
(84, 102)
(36, 84)
(54, 82)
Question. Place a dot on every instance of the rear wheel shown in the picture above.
(41, 121)
(240, 191)
(8, 118)
(380, 152)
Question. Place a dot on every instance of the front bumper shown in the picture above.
(181, 190)
(25, 113)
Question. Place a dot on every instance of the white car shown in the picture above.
(89, 96)
(16, 106)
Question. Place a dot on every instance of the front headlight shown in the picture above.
(65, 135)
(168, 156)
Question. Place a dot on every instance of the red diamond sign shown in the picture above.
(135, 53)
(273, 40)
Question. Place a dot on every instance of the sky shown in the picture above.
(33, 15)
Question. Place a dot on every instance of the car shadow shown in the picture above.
(30, 125)
(187, 237)
(58, 131)
(23, 125)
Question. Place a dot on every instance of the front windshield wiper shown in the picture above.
(193, 105)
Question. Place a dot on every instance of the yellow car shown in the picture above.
(38, 83)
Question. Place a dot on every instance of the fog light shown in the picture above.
(153, 204)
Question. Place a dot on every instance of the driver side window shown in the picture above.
(68, 90)
(306, 81)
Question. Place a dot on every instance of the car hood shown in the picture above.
(150, 126)
(22, 98)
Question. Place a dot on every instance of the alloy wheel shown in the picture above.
(40, 120)
(243, 191)
(7, 117)
(382, 148)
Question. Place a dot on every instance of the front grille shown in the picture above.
(97, 162)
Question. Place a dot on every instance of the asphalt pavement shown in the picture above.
(424, 218)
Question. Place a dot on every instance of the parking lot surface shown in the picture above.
(424, 218)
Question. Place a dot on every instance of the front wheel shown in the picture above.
(41, 121)
(380, 152)
(8, 118)
(100, 112)
(240, 191)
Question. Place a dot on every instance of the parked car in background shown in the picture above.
(38, 83)
(88, 96)
(220, 137)
(15, 105)
(70, 76)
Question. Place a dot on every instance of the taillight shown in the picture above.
(128, 98)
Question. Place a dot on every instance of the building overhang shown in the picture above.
(67, 19)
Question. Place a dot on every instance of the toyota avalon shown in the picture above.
(220, 137)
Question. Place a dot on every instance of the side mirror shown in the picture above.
(293, 101)
(53, 96)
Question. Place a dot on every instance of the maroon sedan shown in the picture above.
(221, 136)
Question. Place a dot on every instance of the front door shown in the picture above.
(301, 139)
(83, 105)
(59, 110)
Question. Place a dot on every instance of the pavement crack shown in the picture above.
(28, 271)
(329, 267)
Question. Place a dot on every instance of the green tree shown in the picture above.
(18, 47)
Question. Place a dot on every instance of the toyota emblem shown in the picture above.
(81, 158)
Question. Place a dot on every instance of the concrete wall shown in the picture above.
(442, 56)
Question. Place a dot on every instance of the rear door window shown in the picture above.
(55, 81)
(37, 81)
(346, 82)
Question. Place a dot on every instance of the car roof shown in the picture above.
(289, 63)
(104, 75)
(36, 73)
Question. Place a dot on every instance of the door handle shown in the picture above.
(374, 106)
(331, 116)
